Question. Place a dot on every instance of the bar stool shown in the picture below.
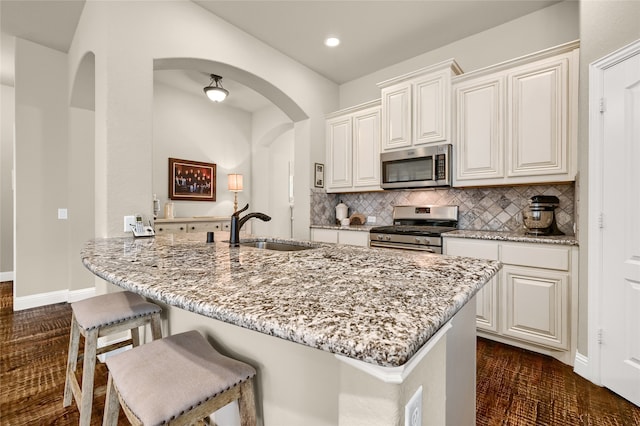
(96, 317)
(177, 380)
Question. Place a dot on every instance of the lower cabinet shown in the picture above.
(179, 225)
(339, 236)
(530, 302)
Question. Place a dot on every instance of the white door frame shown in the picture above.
(596, 175)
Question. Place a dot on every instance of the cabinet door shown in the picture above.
(396, 116)
(430, 106)
(366, 147)
(339, 153)
(538, 104)
(354, 238)
(535, 306)
(324, 235)
(487, 306)
(487, 297)
(479, 134)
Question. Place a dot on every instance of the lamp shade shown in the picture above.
(235, 182)
(214, 90)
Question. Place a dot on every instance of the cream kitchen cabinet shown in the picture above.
(353, 149)
(180, 225)
(340, 236)
(532, 302)
(516, 123)
(416, 107)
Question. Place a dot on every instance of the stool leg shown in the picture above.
(246, 403)
(135, 336)
(88, 372)
(72, 360)
(156, 328)
(111, 405)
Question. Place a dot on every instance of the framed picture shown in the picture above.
(318, 180)
(192, 180)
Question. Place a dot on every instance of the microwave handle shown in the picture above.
(434, 166)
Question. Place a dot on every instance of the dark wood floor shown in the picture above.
(515, 387)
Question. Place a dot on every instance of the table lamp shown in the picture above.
(235, 186)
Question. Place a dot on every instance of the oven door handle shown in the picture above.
(401, 246)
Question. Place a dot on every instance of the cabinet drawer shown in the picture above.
(471, 248)
(207, 226)
(536, 256)
(174, 228)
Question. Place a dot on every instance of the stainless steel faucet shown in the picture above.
(237, 223)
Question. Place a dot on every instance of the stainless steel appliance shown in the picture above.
(540, 218)
(422, 167)
(416, 228)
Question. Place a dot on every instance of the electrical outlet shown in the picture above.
(371, 219)
(128, 222)
(62, 214)
(413, 410)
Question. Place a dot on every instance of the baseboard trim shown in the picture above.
(581, 365)
(84, 293)
(6, 276)
(50, 298)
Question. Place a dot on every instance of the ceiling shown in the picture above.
(374, 34)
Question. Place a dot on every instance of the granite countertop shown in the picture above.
(362, 228)
(374, 305)
(521, 237)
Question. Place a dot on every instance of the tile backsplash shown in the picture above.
(482, 209)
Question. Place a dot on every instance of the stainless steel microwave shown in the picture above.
(422, 167)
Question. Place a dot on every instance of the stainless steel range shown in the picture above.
(416, 228)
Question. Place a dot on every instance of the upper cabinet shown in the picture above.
(416, 107)
(516, 123)
(353, 149)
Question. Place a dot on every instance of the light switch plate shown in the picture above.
(62, 213)
(371, 219)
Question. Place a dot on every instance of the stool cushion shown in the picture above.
(160, 380)
(111, 308)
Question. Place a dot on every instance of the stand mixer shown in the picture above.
(539, 218)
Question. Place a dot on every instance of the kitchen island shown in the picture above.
(338, 334)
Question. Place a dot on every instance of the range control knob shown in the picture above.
(387, 237)
(418, 240)
(380, 237)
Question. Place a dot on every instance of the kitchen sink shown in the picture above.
(275, 245)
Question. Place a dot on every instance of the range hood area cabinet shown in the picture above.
(416, 107)
(353, 149)
(516, 122)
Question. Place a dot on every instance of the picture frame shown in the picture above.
(318, 177)
(192, 180)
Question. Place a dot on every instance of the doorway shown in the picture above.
(614, 229)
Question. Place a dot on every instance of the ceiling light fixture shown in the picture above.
(332, 41)
(216, 93)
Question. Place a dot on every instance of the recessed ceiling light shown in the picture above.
(332, 41)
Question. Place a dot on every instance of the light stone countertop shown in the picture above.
(520, 237)
(361, 228)
(375, 305)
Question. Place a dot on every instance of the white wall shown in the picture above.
(41, 169)
(539, 30)
(7, 99)
(191, 127)
(273, 148)
(125, 54)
